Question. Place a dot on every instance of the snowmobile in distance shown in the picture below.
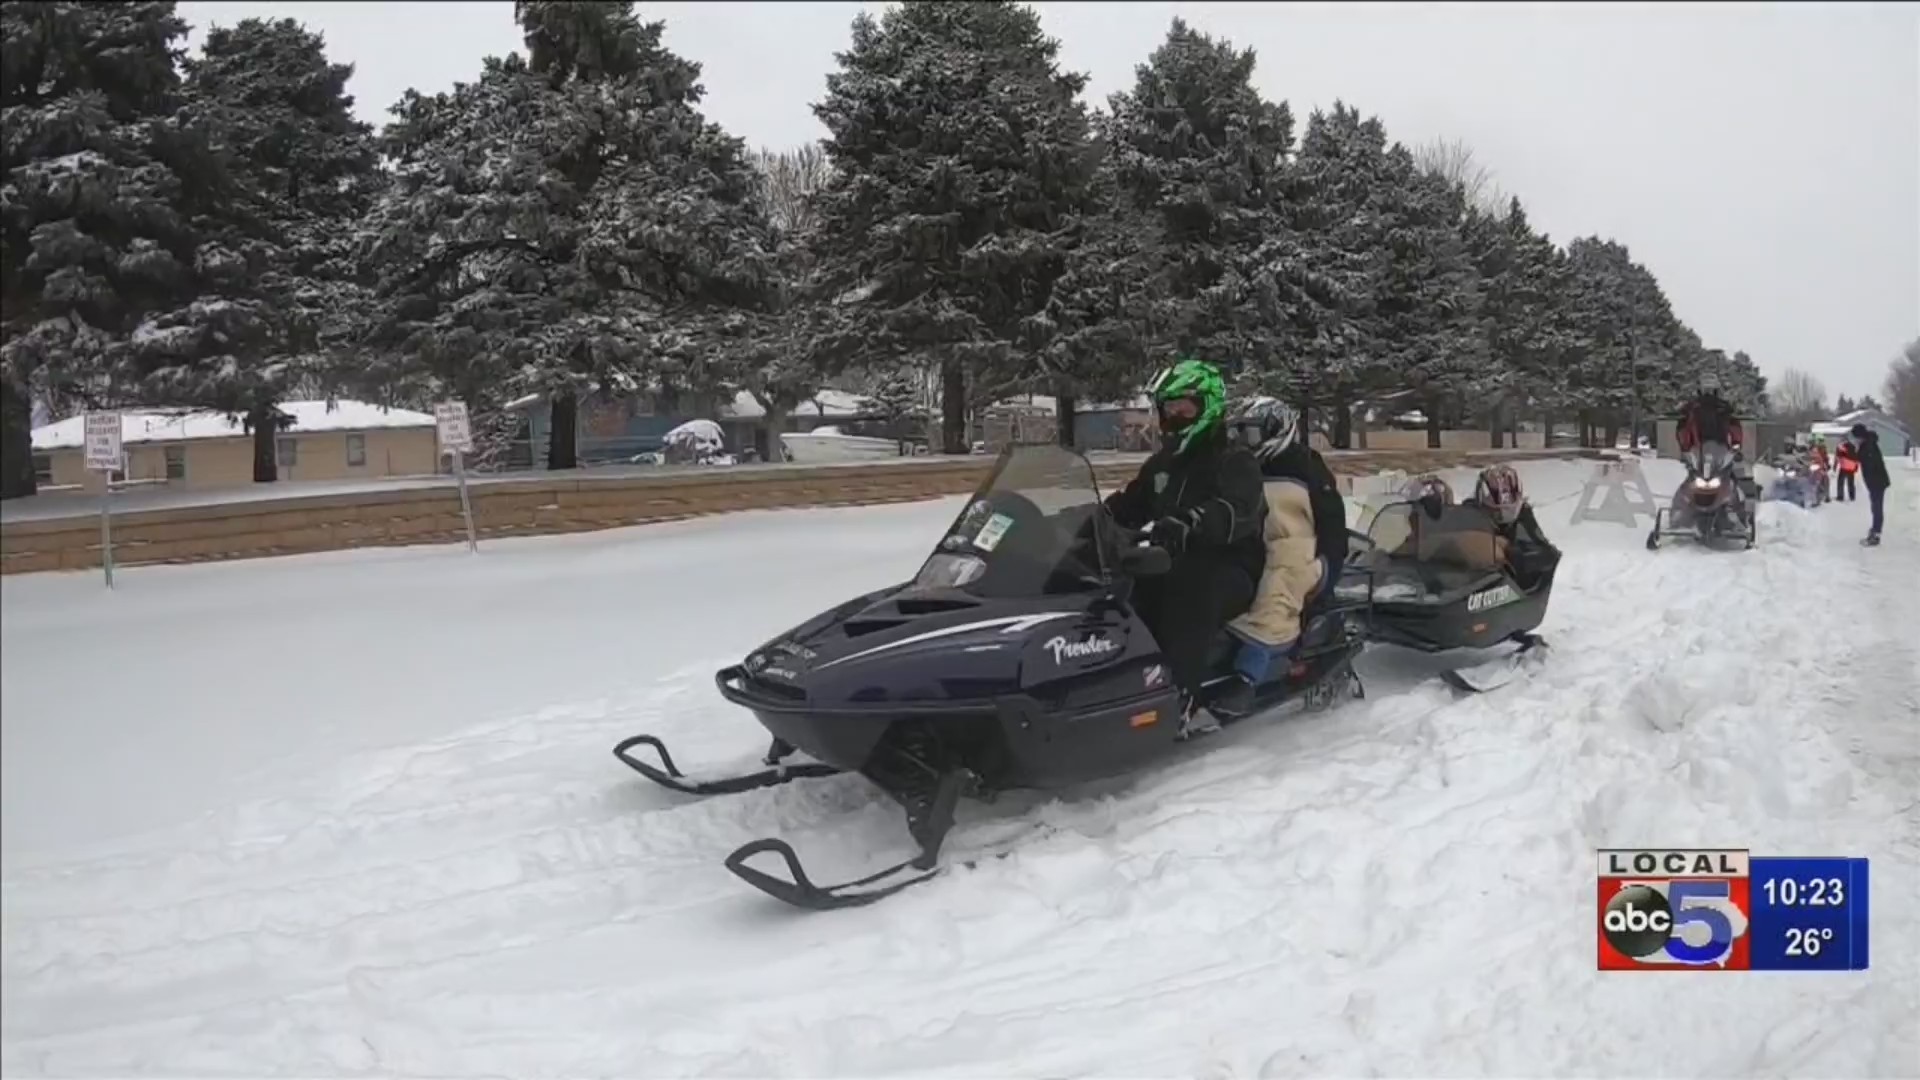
(1795, 481)
(1435, 578)
(1709, 507)
(1013, 659)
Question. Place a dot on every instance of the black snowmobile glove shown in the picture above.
(1170, 533)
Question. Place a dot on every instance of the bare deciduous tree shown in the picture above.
(1903, 387)
(1798, 397)
(1454, 161)
(789, 178)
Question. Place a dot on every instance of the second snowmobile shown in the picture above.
(1435, 578)
(1013, 659)
(1712, 506)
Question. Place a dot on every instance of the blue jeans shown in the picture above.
(1877, 499)
(1255, 660)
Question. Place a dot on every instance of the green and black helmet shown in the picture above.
(1190, 397)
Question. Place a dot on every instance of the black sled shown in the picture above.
(1441, 584)
(1014, 659)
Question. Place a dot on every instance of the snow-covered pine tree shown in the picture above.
(310, 170)
(1096, 335)
(105, 176)
(1619, 318)
(1522, 276)
(1337, 201)
(1427, 315)
(1196, 149)
(772, 353)
(563, 221)
(960, 164)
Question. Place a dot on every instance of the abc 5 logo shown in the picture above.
(1681, 922)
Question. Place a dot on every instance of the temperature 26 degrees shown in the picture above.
(1793, 892)
(1810, 914)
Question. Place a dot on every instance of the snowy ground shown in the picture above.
(354, 814)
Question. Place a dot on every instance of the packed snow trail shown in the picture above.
(355, 814)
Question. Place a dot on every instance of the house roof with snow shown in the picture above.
(1870, 417)
(184, 425)
(823, 403)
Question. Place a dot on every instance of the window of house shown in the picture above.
(356, 450)
(286, 453)
(43, 468)
(176, 463)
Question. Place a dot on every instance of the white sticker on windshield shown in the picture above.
(990, 533)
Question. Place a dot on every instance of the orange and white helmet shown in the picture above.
(1498, 493)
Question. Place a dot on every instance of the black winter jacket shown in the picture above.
(1215, 487)
(1873, 464)
(1303, 463)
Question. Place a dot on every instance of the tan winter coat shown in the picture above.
(1292, 571)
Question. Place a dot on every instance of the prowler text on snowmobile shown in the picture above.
(1013, 659)
(1712, 506)
(1443, 583)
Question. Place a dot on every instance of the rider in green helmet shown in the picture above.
(1203, 497)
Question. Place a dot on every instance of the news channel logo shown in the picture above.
(1672, 909)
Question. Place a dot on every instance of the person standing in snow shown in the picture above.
(1873, 473)
(1849, 459)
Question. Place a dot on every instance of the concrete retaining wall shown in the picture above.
(544, 504)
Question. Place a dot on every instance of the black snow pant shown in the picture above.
(1188, 608)
(1877, 498)
(1843, 486)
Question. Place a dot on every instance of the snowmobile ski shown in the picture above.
(929, 830)
(1494, 674)
(668, 775)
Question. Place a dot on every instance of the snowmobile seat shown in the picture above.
(1419, 558)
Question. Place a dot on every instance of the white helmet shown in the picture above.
(1268, 426)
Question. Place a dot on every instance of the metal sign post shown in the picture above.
(104, 457)
(456, 438)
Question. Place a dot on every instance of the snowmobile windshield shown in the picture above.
(1033, 528)
(1709, 459)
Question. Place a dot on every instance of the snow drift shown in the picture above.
(353, 814)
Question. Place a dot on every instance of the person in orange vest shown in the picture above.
(1849, 458)
(1822, 467)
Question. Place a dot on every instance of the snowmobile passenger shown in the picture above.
(1529, 554)
(1201, 493)
(1305, 537)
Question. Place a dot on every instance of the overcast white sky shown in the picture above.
(1762, 160)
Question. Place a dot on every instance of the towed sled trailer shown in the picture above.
(1442, 584)
(1014, 659)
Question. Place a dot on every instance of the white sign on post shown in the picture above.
(103, 441)
(103, 455)
(456, 436)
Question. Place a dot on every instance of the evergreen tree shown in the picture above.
(1428, 322)
(1199, 154)
(310, 172)
(564, 221)
(1337, 195)
(960, 165)
(1522, 280)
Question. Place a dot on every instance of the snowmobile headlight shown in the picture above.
(1710, 482)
